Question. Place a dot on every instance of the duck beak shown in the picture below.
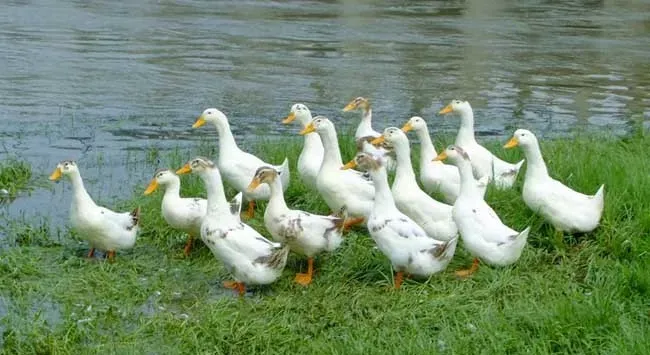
(442, 156)
(513, 142)
(351, 106)
(309, 129)
(56, 174)
(379, 140)
(186, 169)
(290, 118)
(254, 184)
(153, 185)
(199, 122)
(446, 110)
(407, 127)
(350, 165)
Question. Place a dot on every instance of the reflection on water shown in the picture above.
(95, 80)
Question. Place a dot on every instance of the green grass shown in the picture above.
(14, 177)
(586, 294)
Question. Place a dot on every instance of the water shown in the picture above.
(101, 81)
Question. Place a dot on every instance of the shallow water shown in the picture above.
(101, 81)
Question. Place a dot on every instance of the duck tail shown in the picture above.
(519, 165)
(342, 215)
(445, 250)
(135, 216)
(278, 258)
(600, 196)
(284, 172)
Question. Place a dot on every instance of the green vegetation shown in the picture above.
(14, 176)
(586, 294)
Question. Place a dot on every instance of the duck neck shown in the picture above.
(332, 154)
(466, 131)
(383, 196)
(312, 140)
(366, 123)
(536, 165)
(226, 139)
(173, 189)
(216, 196)
(80, 195)
(404, 170)
(276, 200)
(468, 185)
(427, 150)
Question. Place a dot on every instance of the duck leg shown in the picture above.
(110, 255)
(241, 289)
(188, 245)
(470, 271)
(305, 279)
(352, 221)
(399, 277)
(251, 209)
(91, 253)
(232, 285)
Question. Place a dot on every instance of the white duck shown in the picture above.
(435, 176)
(311, 155)
(237, 166)
(567, 210)
(433, 216)
(403, 241)
(341, 189)
(305, 233)
(246, 254)
(484, 163)
(483, 233)
(183, 214)
(103, 229)
(365, 133)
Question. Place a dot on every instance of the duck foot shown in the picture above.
(352, 221)
(91, 253)
(399, 277)
(468, 272)
(110, 255)
(305, 279)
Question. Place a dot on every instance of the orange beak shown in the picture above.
(407, 127)
(153, 185)
(254, 184)
(513, 142)
(290, 118)
(442, 156)
(350, 165)
(378, 140)
(199, 122)
(56, 174)
(186, 169)
(309, 129)
(446, 110)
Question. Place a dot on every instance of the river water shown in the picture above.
(100, 81)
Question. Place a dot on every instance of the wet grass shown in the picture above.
(585, 294)
(14, 177)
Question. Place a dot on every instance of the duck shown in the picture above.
(183, 214)
(433, 216)
(483, 233)
(104, 229)
(365, 133)
(410, 249)
(306, 233)
(311, 155)
(247, 255)
(237, 166)
(435, 176)
(484, 163)
(340, 189)
(564, 208)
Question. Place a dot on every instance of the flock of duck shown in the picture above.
(415, 231)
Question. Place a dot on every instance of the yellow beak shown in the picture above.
(407, 127)
(290, 118)
(56, 174)
(153, 185)
(350, 165)
(186, 169)
(199, 122)
(442, 156)
(351, 106)
(309, 129)
(513, 142)
(254, 184)
(446, 110)
(378, 140)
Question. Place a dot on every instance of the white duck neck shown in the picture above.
(383, 196)
(276, 200)
(468, 185)
(173, 189)
(216, 197)
(332, 154)
(226, 139)
(466, 130)
(427, 150)
(404, 170)
(312, 140)
(536, 165)
(80, 194)
(365, 126)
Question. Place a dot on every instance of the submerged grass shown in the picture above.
(586, 294)
(14, 177)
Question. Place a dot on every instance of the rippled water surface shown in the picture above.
(97, 81)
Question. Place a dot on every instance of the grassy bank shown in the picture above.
(586, 294)
(14, 177)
